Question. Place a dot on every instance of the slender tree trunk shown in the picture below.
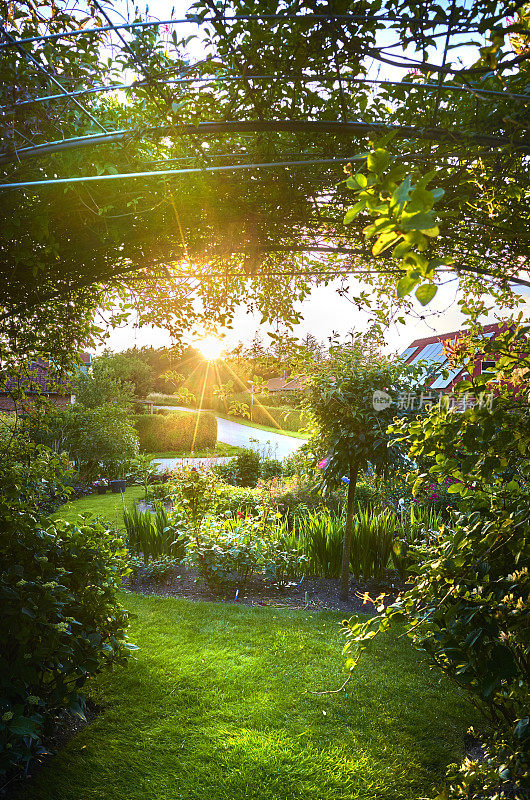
(348, 529)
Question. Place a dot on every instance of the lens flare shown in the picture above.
(210, 347)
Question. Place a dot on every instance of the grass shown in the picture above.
(220, 449)
(215, 708)
(107, 506)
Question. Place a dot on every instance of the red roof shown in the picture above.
(430, 349)
(284, 384)
(447, 337)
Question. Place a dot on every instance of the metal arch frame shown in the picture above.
(338, 128)
(475, 91)
(194, 19)
(181, 171)
(52, 78)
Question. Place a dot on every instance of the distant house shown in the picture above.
(37, 380)
(284, 384)
(431, 350)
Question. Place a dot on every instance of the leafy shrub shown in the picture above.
(366, 496)
(176, 431)
(155, 535)
(467, 606)
(270, 468)
(94, 439)
(247, 468)
(298, 463)
(416, 531)
(283, 562)
(160, 491)
(227, 472)
(227, 551)
(229, 500)
(60, 624)
(100, 387)
(157, 570)
(286, 494)
(232, 550)
(194, 490)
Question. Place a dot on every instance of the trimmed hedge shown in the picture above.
(176, 431)
(286, 417)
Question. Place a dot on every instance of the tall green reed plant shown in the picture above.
(154, 535)
(372, 540)
(321, 536)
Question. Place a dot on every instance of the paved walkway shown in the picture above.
(270, 443)
(169, 464)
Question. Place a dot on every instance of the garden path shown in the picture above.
(169, 464)
(276, 445)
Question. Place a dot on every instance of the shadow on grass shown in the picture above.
(215, 707)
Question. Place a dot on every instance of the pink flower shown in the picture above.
(322, 464)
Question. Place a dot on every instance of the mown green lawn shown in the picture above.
(215, 708)
(108, 507)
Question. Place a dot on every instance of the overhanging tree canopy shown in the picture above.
(287, 84)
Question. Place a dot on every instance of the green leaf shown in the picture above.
(402, 193)
(352, 212)
(401, 249)
(416, 486)
(422, 221)
(379, 160)
(385, 241)
(522, 729)
(24, 726)
(405, 285)
(426, 292)
(454, 488)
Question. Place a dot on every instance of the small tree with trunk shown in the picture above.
(351, 399)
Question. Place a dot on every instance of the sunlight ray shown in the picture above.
(200, 408)
(274, 423)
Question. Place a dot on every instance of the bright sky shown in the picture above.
(324, 312)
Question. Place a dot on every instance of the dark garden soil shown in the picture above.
(312, 592)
